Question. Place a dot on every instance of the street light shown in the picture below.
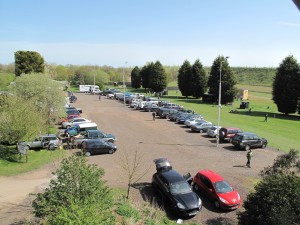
(219, 102)
(124, 83)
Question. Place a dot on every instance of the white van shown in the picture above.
(86, 126)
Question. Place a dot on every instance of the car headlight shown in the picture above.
(223, 200)
(239, 197)
(180, 206)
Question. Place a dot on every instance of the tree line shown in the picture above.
(193, 80)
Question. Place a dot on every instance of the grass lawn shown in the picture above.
(11, 164)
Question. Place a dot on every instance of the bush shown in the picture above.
(77, 193)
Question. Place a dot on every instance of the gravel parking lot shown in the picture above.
(187, 151)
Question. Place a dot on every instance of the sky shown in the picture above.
(255, 33)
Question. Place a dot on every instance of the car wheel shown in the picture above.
(263, 146)
(26, 148)
(111, 151)
(87, 154)
(51, 147)
(217, 204)
(247, 147)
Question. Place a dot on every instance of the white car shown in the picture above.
(193, 121)
(212, 131)
(74, 121)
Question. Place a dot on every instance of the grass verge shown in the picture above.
(11, 164)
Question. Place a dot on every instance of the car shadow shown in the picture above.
(232, 148)
(155, 198)
(206, 203)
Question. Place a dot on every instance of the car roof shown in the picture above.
(172, 176)
(246, 133)
(48, 135)
(213, 176)
(231, 128)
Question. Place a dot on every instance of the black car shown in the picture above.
(97, 146)
(248, 140)
(176, 189)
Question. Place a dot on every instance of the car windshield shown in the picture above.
(222, 187)
(180, 188)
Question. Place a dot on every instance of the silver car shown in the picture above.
(49, 141)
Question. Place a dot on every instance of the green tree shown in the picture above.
(136, 78)
(158, 77)
(19, 119)
(184, 79)
(286, 86)
(199, 79)
(228, 82)
(276, 198)
(146, 75)
(28, 62)
(78, 195)
(46, 94)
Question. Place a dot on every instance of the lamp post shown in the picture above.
(219, 102)
(124, 83)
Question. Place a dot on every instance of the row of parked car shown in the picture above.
(84, 134)
(196, 122)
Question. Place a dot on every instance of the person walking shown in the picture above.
(68, 140)
(153, 115)
(99, 97)
(249, 157)
(266, 117)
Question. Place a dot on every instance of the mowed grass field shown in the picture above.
(282, 132)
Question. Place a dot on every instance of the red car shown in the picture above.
(69, 117)
(217, 189)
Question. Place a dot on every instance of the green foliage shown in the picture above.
(5, 80)
(136, 78)
(78, 213)
(254, 75)
(128, 211)
(27, 62)
(78, 185)
(276, 198)
(146, 75)
(228, 82)
(158, 78)
(184, 79)
(44, 93)
(286, 85)
(19, 119)
(199, 80)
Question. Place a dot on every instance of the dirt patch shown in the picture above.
(136, 130)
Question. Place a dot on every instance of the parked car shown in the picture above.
(67, 118)
(72, 98)
(70, 108)
(201, 127)
(173, 117)
(80, 128)
(49, 141)
(248, 140)
(175, 189)
(74, 121)
(97, 146)
(183, 117)
(193, 121)
(217, 190)
(212, 131)
(227, 133)
(92, 134)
